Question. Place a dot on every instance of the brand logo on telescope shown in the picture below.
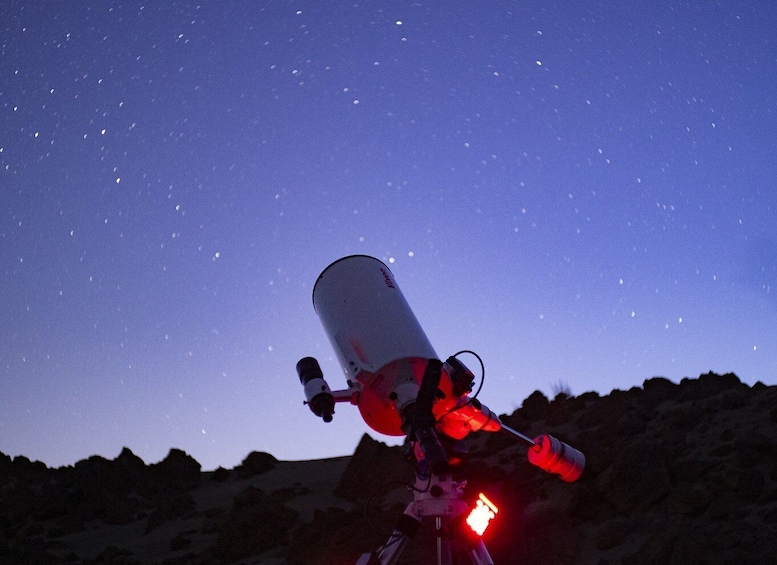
(387, 278)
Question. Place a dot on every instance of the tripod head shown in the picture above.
(394, 376)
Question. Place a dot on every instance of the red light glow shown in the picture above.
(481, 514)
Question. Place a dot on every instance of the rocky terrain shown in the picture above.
(678, 473)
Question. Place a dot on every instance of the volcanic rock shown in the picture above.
(677, 473)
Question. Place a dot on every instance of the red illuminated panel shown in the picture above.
(481, 514)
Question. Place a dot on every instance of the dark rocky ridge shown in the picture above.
(676, 473)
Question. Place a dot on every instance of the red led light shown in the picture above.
(481, 514)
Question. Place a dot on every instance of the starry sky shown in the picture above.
(584, 193)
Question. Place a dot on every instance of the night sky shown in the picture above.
(584, 193)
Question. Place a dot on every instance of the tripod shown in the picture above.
(441, 499)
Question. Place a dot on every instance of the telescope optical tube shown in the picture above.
(377, 339)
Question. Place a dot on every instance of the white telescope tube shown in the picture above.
(375, 335)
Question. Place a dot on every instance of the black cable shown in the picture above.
(482, 370)
(480, 387)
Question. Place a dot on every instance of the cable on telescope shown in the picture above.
(482, 371)
(480, 387)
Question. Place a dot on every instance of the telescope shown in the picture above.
(402, 388)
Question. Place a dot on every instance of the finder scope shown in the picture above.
(317, 393)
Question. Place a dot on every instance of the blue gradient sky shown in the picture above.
(581, 192)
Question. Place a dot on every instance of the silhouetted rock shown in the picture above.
(254, 524)
(255, 463)
(220, 475)
(638, 478)
(373, 465)
(180, 542)
(25, 469)
(337, 536)
(6, 465)
(535, 406)
(131, 471)
(100, 489)
(658, 389)
(680, 473)
(176, 471)
(113, 556)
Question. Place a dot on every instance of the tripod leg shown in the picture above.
(389, 554)
(480, 555)
(443, 543)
